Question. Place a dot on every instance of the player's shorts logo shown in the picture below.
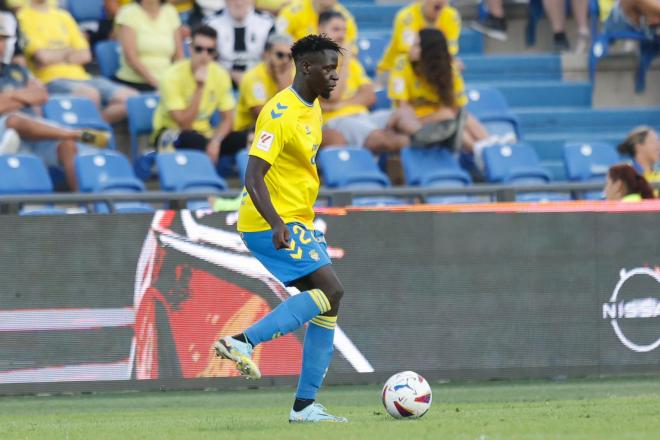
(314, 255)
(634, 309)
(265, 140)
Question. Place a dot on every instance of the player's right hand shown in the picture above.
(281, 237)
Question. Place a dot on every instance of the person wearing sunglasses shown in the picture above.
(262, 82)
(192, 91)
(242, 35)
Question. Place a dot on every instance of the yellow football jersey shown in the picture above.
(51, 29)
(406, 85)
(177, 88)
(355, 79)
(299, 19)
(407, 24)
(287, 136)
(256, 88)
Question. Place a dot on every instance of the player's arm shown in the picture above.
(258, 191)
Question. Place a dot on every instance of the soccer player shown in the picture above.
(276, 223)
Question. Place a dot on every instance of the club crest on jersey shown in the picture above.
(265, 140)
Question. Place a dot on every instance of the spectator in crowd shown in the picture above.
(437, 14)
(642, 145)
(242, 34)
(301, 18)
(346, 113)
(494, 24)
(13, 51)
(635, 16)
(272, 6)
(426, 83)
(192, 90)
(56, 52)
(556, 12)
(625, 184)
(21, 130)
(264, 80)
(150, 35)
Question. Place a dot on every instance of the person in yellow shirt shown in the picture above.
(264, 80)
(627, 185)
(192, 91)
(301, 17)
(642, 145)
(56, 52)
(150, 36)
(276, 222)
(346, 113)
(414, 17)
(427, 83)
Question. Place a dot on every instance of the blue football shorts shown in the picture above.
(307, 253)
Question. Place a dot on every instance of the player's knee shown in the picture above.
(334, 294)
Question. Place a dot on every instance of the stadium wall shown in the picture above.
(134, 302)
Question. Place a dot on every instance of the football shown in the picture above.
(407, 395)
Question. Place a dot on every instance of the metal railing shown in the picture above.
(11, 204)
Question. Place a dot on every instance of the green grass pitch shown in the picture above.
(583, 409)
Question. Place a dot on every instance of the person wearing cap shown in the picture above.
(21, 130)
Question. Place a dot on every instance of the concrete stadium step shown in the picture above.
(594, 121)
(542, 94)
(488, 68)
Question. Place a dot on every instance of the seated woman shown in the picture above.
(625, 184)
(642, 145)
(427, 84)
(151, 40)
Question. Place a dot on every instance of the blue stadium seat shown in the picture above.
(371, 51)
(351, 167)
(26, 174)
(144, 165)
(355, 168)
(546, 93)
(111, 173)
(489, 106)
(470, 42)
(589, 162)
(107, 55)
(518, 165)
(434, 168)
(241, 163)
(86, 10)
(189, 171)
(76, 112)
(140, 115)
(382, 101)
(369, 16)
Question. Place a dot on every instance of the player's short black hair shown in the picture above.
(326, 16)
(312, 44)
(206, 31)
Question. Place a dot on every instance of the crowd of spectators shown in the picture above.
(221, 60)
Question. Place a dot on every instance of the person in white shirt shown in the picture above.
(242, 35)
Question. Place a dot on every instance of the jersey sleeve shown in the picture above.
(459, 89)
(127, 17)
(269, 138)
(451, 26)
(397, 89)
(360, 75)
(253, 92)
(78, 40)
(171, 97)
(389, 56)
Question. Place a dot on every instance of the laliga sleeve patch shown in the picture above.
(265, 140)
